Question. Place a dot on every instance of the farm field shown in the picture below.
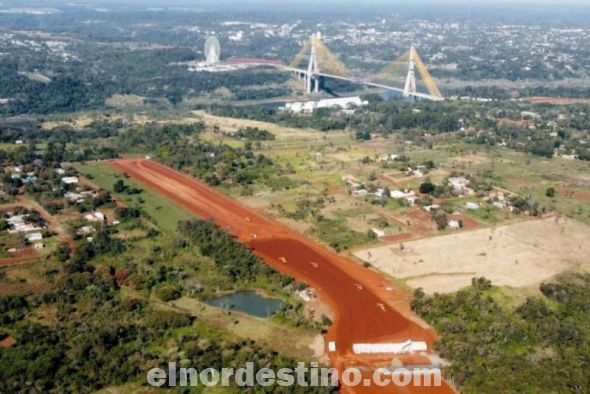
(516, 255)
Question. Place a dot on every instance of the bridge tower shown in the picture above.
(311, 77)
(410, 88)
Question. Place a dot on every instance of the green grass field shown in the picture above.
(165, 213)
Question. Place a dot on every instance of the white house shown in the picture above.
(18, 225)
(95, 217)
(432, 207)
(378, 233)
(398, 194)
(32, 237)
(69, 180)
(453, 225)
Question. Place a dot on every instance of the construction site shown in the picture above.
(371, 317)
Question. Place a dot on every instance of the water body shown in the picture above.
(248, 302)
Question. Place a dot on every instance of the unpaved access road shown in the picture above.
(370, 313)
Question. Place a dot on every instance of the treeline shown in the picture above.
(61, 134)
(217, 164)
(498, 93)
(55, 153)
(541, 346)
(234, 258)
(388, 116)
(321, 119)
(254, 134)
(148, 138)
(257, 94)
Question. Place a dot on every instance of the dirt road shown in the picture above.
(366, 308)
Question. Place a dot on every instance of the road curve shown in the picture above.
(366, 309)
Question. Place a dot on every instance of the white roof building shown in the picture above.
(398, 194)
(340, 102)
(18, 225)
(95, 217)
(69, 180)
(377, 232)
(453, 225)
(395, 348)
(32, 237)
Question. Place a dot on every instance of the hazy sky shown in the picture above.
(383, 2)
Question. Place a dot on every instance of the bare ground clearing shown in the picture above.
(517, 255)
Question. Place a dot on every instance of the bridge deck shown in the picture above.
(364, 82)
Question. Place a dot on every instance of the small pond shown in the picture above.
(248, 302)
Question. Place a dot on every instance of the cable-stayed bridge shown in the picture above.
(322, 63)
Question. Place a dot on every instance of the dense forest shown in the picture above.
(540, 346)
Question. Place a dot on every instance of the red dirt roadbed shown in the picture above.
(363, 314)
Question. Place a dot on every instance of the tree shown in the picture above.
(63, 251)
(550, 192)
(427, 188)
(440, 218)
(119, 186)
(362, 135)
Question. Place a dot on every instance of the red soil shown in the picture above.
(575, 195)
(21, 256)
(358, 317)
(396, 237)
(7, 342)
(468, 222)
(420, 221)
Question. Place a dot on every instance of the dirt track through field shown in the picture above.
(359, 317)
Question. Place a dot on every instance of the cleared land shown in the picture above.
(557, 100)
(300, 344)
(363, 314)
(517, 255)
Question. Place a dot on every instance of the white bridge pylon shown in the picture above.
(324, 64)
(410, 87)
(312, 72)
